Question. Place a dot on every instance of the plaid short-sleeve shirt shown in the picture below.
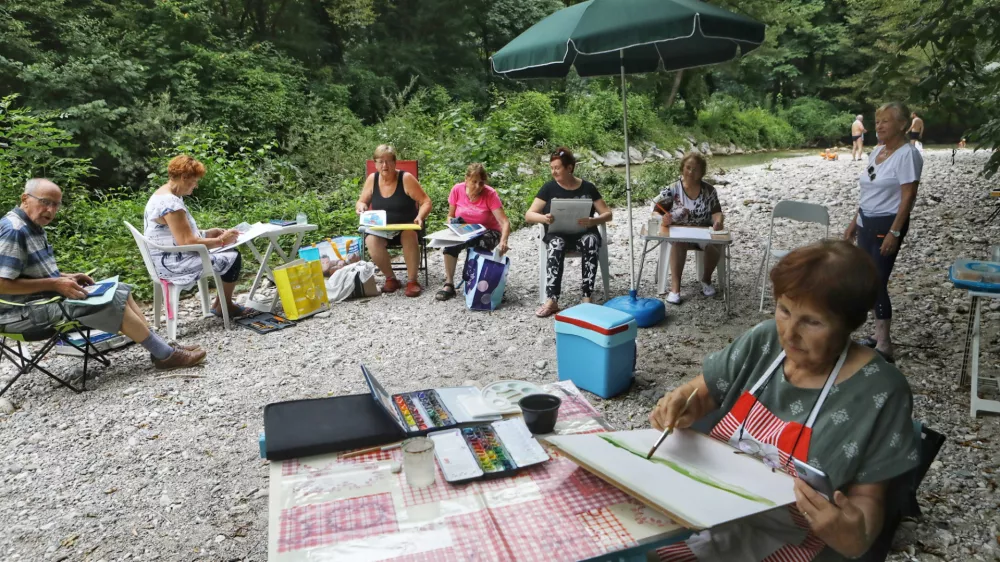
(24, 253)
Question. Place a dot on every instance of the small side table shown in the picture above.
(970, 361)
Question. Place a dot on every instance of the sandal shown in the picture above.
(447, 292)
(241, 311)
(548, 309)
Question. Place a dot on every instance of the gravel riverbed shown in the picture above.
(147, 466)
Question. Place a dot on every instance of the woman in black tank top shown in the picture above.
(398, 194)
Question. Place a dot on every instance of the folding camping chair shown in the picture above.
(20, 355)
(410, 167)
(796, 211)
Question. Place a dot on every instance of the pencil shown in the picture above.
(360, 452)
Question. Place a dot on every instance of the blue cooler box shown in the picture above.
(595, 348)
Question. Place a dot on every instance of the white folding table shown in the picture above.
(970, 360)
(273, 248)
(664, 237)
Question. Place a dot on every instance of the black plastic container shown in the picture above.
(540, 412)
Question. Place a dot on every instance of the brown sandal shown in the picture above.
(548, 309)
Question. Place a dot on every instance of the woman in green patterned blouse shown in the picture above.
(798, 386)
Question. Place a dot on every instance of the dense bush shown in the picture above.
(724, 121)
(817, 121)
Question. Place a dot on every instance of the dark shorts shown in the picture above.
(854, 138)
(914, 136)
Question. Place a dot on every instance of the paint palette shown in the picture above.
(503, 396)
(486, 451)
(423, 410)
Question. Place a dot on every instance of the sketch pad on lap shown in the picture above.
(693, 478)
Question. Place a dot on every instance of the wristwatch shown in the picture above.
(896, 233)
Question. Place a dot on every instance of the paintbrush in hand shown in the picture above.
(667, 431)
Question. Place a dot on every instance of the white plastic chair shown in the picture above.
(602, 260)
(173, 290)
(793, 210)
(662, 273)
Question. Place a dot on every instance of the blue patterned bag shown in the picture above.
(485, 278)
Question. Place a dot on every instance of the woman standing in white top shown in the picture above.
(888, 192)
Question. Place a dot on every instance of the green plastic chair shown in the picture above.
(11, 346)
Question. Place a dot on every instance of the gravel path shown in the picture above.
(148, 467)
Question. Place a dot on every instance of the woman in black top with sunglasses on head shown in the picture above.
(888, 192)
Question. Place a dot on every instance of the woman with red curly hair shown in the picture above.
(797, 387)
(168, 223)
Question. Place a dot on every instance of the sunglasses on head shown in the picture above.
(871, 173)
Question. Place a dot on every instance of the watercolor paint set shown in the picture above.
(490, 450)
(418, 413)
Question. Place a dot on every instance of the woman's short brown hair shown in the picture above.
(476, 169)
(183, 167)
(565, 156)
(699, 159)
(834, 275)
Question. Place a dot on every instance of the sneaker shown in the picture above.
(413, 289)
(673, 298)
(390, 285)
(707, 289)
(180, 359)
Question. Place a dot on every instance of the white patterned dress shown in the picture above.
(179, 268)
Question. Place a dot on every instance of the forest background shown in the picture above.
(284, 100)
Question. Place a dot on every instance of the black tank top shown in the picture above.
(399, 207)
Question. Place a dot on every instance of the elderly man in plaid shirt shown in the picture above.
(28, 272)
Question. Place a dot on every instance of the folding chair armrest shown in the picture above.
(49, 300)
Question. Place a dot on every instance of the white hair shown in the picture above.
(31, 186)
(859, 117)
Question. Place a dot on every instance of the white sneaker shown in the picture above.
(707, 289)
(673, 298)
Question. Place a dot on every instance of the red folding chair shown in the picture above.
(410, 167)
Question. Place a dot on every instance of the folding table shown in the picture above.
(725, 240)
(273, 248)
(970, 360)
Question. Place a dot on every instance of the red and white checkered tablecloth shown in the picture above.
(357, 509)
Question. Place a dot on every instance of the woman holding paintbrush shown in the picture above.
(690, 202)
(799, 387)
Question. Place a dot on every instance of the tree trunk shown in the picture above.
(673, 89)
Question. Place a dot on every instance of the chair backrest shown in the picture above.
(140, 241)
(800, 211)
(408, 166)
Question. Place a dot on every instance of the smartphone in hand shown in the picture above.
(815, 477)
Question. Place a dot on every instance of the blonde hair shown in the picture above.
(476, 169)
(383, 150)
(900, 108)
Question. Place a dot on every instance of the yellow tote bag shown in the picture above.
(301, 288)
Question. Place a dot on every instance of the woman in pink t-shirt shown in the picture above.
(474, 202)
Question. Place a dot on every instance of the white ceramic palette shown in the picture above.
(504, 395)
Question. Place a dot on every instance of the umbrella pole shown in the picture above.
(628, 179)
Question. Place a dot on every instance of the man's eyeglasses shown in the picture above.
(46, 202)
(871, 173)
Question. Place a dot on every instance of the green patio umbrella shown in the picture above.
(608, 37)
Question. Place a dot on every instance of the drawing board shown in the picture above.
(693, 478)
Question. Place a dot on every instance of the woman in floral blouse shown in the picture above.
(690, 202)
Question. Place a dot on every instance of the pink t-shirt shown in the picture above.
(480, 212)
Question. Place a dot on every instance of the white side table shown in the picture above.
(970, 362)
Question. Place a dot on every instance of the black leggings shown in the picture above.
(589, 246)
(870, 238)
(233, 274)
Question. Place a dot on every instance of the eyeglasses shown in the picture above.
(754, 449)
(871, 172)
(46, 202)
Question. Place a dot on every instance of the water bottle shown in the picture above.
(301, 218)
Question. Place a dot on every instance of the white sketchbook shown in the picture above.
(248, 233)
(566, 213)
(696, 480)
(690, 232)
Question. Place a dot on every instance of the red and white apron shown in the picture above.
(780, 535)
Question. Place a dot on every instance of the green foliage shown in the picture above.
(818, 121)
(524, 118)
(724, 121)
